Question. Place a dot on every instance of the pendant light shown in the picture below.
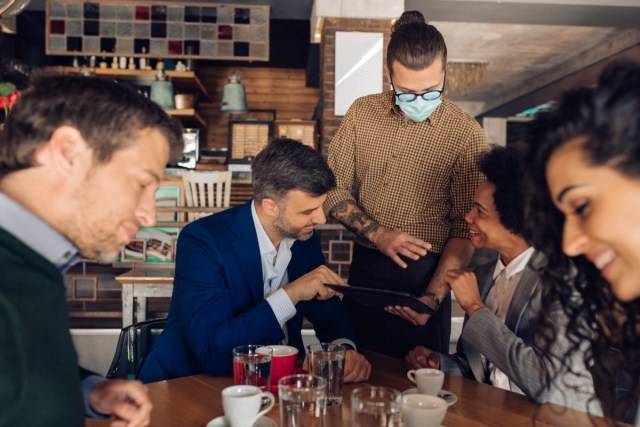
(234, 97)
(9, 8)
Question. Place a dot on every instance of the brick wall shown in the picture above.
(337, 245)
(329, 122)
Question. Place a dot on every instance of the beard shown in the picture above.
(102, 247)
(286, 230)
(92, 227)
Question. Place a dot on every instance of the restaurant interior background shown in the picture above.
(507, 60)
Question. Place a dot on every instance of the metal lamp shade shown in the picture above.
(9, 8)
(162, 94)
(234, 98)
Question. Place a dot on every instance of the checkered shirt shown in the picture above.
(416, 177)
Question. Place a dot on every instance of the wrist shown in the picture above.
(372, 232)
(291, 292)
(434, 299)
(474, 307)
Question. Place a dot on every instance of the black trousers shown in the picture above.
(386, 333)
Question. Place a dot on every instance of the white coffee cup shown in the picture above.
(244, 404)
(429, 381)
(423, 410)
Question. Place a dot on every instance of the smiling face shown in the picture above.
(298, 213)
(485, 228)
(602, 216)
(114, 199)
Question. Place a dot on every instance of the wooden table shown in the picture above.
(137, 286)
(194, 401)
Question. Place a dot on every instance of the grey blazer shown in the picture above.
(510, 346)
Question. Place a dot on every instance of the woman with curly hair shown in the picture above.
(502, 301)
(584, 215)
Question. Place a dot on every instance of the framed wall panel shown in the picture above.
(154, 29)
(247, 138)
(358, 67)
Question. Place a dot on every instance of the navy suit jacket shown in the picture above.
(218, 299)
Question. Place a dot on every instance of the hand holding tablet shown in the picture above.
(382, 298)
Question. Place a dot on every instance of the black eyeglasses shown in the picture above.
(429, 95)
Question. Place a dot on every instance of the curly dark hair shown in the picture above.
(607, 118)
(414, 43)
(502, 168)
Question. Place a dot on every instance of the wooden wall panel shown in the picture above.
(279, 89)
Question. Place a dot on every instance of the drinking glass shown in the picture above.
(303, 400)
(326, 360)
(251, 367)
(376, 407)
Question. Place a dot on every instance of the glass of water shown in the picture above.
(376, 407)
(303, 400)
(326, 360)
(251, 366)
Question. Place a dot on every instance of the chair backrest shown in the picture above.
(206, 189)
(134, 343)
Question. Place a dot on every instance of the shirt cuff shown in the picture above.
(87, 385)
(282, 306)
(349, 345)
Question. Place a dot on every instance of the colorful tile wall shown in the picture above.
(181, 30)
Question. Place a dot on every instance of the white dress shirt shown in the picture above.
(275, 276)
(506, 279)
(274, 272)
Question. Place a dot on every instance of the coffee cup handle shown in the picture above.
(268, 401)
(412, 375)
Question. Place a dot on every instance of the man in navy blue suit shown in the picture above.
(250, 274)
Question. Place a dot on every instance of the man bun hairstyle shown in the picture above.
(414, 43)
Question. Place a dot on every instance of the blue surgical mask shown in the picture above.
(418, 110)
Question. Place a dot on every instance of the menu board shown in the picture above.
(247, 138)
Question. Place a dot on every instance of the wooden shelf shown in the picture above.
(140, 76)
(145, 78)
(188, 113)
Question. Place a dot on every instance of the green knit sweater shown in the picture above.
(39, 376)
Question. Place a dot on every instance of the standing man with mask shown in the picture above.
(80, 161)
(406, 164)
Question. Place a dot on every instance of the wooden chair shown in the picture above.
(206, 189)
(134, 343)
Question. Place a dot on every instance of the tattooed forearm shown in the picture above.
(340, 209)
(354, 218)
(371, 228)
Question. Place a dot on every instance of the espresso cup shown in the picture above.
(429, 381)
(422, 410)
(244, 404)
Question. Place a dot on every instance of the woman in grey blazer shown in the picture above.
(584, 209)
(502, 299)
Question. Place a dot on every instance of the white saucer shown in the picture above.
(222, 422)
(449, 397)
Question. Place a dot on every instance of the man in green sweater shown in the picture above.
(80, 160)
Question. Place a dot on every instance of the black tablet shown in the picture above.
(382, 298)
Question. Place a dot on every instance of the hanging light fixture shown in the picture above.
(9, 8)
(234, 97)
